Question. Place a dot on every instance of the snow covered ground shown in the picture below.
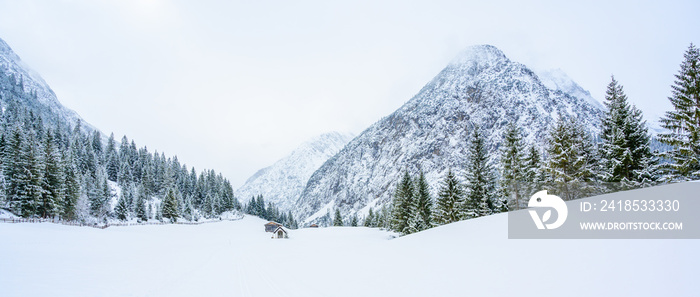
(4, 214)
(237, 258)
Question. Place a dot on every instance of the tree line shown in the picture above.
(256, 206)
(53, 170)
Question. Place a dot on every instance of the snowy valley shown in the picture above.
(54, 166)
(237, 258)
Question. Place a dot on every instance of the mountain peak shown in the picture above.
(481, 54)
(4, 48)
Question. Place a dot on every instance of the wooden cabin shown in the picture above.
(272, 226)
(280, 233)
(313, 226)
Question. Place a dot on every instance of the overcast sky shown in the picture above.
(236, 85)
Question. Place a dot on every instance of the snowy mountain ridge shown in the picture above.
(480, 88)
(36, 92)
(556, 79)
(283, 182)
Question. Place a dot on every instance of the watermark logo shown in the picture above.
(542, 199)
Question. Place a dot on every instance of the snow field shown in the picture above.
(237, 258)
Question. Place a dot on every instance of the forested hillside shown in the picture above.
(57, 169)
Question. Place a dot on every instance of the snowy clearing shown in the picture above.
(237, 258)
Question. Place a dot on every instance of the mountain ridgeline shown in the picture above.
(283, 182)
(480, 89)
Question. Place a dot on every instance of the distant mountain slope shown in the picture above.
(283, 182)
(20, 84)
(558, 80)
(480, 88)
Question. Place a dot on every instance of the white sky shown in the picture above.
(236, 85)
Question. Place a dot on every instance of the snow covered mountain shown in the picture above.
(481, 88)
(283, 182)
(556, 79)
(18, 82)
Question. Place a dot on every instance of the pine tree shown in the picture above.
(170, 208)
(228, 201)
(187, 211)
(480, 186)
(209, 206)
(112, 159)
(353, 222)
(382, 218)
(272, 212)
(290, 221)
(260, 207)
(251, 207)
(122, 209)
(337, 219)
(25, 174)
(413, 225)
(513, 166)
(403, 205)
(128, 193)
(484, 209)
(14, 170)
(141, 210)
(53, 179)
(533, 173)
(124, 175)
(107, 196)
(97, 146)
(32, 190)
(449, 201)
(72, 189)
(684, 121)
(100, 195)
(571, 162)
(423, 205)
(369, 219)
(625, 148)
(3, 184)
(112, 167)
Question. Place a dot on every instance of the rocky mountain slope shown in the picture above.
(480, 88)
(557, 79)
(283, 182)
(20, 84)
